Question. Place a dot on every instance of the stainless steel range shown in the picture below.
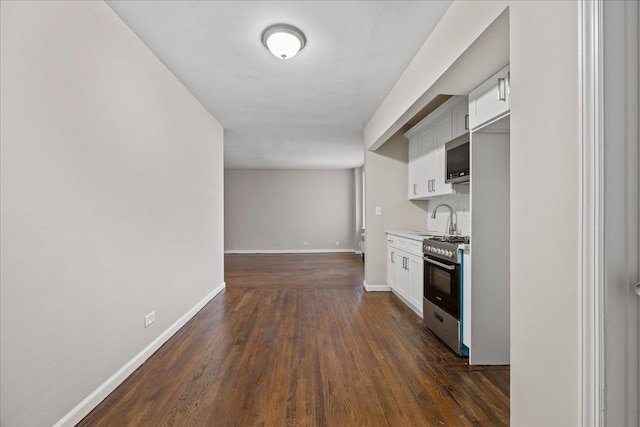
(443, 289)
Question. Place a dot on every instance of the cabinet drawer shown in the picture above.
(401, 243)
(414, 247)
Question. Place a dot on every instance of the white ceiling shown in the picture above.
(306, 112)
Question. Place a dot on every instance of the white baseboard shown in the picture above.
(287, 251)
(375, 288)
(90, 402)
(358, 252)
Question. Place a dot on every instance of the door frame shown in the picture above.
(593, 208)
(592, 215)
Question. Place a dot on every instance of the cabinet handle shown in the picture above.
(502, 96)
(392, 257)
(466, 122)
(414, 188)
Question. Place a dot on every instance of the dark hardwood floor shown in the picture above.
(294, 340)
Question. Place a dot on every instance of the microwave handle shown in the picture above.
(439, 264)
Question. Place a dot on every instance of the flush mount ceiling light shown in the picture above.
(283, 40)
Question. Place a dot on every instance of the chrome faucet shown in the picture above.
(453, 220)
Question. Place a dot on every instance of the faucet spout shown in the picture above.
(453, 221)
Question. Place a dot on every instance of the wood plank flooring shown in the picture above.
(295, 341)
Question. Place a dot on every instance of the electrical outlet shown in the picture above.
(337, 243)
(305, 243)
(378, 210)
(149, 319)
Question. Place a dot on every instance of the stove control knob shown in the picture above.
(440, 251)
(449, 254)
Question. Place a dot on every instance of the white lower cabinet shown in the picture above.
(391, 266)
(416, 274)
(405, 271)
(402, 275)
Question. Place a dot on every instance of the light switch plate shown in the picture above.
(378, 210)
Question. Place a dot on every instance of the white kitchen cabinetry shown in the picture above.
(415, 268)
(427, 142)
(405, 271)
(460, 116)
(402, 275)
(391, 265)
(443, 127)
(414, 169)
(491, 100)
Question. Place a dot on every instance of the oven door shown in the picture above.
(442, 285)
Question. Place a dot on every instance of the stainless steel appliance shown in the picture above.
(457, 160)
(443, 289)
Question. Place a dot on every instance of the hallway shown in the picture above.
(295, 340)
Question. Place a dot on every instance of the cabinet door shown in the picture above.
(402, 274)
(428, 160)
(460, 119)
(391, 267)
(415, 278)
(414, 167)
(443, 128)
(490, 100)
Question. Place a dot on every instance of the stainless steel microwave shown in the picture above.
(457, 160)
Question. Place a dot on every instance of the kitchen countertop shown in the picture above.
(421, 235)
(414, 234)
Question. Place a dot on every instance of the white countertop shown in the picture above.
(414, 234)
(421, 235)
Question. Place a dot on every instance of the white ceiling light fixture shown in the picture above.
(283, 41)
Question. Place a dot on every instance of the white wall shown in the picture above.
(275, 209)
(386, 174)
(111, 202)
(461, 206)
(545, 287)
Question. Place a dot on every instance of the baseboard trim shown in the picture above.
(288, 251)
(358, 252)
(375, 288)
(90, 402)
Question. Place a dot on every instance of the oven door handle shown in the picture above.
(439, 264)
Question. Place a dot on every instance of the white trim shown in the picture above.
(592, 213)
(357, 252)
(288, 251)
(375, 288)
(90, 402)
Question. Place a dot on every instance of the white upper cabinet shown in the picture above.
(491, 100)
(443, 126)
(460, 119)
(427, 142)
(428, 160)
(414, 169)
